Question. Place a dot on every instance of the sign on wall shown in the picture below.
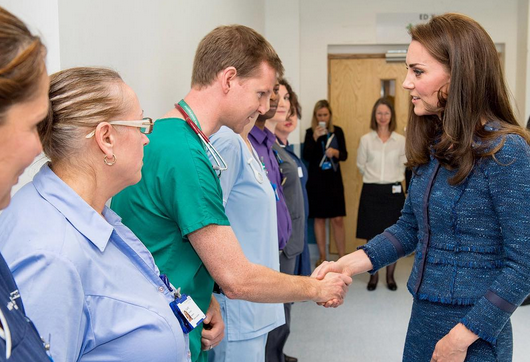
(393, 27)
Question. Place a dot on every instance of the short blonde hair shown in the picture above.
(80, 98)
(235, 46)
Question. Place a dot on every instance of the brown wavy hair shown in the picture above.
(387, 102)
(477, 94)
(21, 62)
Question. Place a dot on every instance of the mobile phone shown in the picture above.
(322, 124)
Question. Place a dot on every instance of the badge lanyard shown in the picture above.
(184, 308)
(192, 121)
(325, 163)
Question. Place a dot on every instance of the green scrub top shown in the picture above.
(179, 193)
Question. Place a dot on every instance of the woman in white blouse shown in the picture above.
(381, 160)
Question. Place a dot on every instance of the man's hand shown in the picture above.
(214, 327)
(453, 347)
(333, 288)
(349, 265)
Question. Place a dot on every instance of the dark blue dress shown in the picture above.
(26, 343)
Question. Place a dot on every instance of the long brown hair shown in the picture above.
(318, 105)
(477, 93)
(386, 102)
(21, 62)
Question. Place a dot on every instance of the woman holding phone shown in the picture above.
(324, 148)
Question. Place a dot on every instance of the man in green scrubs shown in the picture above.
(177, 208)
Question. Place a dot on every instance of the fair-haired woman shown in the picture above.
(93, 288)
(324, 149)
(381, 160)
(466, 214)
(23, 104)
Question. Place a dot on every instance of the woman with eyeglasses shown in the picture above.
(90, 285)
(23, 104)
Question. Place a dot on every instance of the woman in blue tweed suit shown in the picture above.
(466, 215)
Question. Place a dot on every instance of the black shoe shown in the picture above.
(289, 358)
(392, 285)
(372, 284)
(526, 301)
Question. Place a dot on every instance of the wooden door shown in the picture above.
(354, 86)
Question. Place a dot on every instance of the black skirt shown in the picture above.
(379, 208)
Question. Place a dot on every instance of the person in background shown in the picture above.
(262, 140)
(381, 160)
(465, 215)
(23, 104)
(324, 149)
(250, 205)
(93, 288)
(282, 132)
(294, 198)
(177, 208)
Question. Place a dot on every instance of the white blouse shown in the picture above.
(381, 162)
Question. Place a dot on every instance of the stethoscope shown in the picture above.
(220, 164)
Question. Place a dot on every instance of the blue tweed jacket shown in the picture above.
(471, 240)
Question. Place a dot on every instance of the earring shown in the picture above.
(110, 163)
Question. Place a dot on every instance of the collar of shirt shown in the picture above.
(81, 215)
(375, 136)
(263, 136)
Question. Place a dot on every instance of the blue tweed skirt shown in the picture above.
(430, 322)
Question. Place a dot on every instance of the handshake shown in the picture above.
(335, 277)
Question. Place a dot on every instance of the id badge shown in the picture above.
(300, 172)
(396, 189)
(326, 165)
(187, 312)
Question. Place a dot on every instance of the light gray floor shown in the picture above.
(371, 326)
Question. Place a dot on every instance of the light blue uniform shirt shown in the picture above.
(251, 208)
(90, 286)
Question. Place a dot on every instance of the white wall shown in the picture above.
(282, 30)
(354, 22)
(150, 43)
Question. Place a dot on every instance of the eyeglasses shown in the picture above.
(145, 125)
